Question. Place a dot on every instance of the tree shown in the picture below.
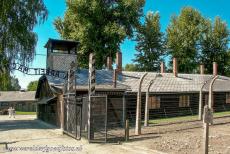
(214, 46)
(150, 44)
(14, 84)
(32, 86)
(131, 67)
(227, 66)
(17, 39)
(99, 25)
(183, 34)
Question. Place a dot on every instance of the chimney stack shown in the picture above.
(215, 72)
(109, 63)
(119, 61)
(114, 78)
(162, 68)
(175, 67)
(202, 69)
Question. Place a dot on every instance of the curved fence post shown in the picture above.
(208, 115)
(146, 122)
(210, 97)
(201, 99)
(138, 109)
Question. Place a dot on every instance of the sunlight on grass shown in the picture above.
(25, 113)
(184, 118)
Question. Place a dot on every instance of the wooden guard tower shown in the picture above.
(60, 54)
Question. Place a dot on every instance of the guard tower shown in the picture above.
(60, 54)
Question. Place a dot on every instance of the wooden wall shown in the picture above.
(169, 105)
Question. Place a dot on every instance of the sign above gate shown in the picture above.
(39, 71)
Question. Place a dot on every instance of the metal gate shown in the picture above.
(72, 116)
(107, 117)
(98, 119)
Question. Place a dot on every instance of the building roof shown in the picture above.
(130, 81)
(104, 80)
(17, 96)
(169, 83)
(61, 44)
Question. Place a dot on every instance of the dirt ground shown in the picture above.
(25, 131)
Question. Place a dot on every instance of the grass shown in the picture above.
(25, 113)
(220, 114)
(184, 118)
(173, 119)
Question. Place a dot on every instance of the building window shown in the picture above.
(228, 98)
(154, 102)
(206, 99)
(184, 101)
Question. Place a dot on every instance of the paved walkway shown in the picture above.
(25, 134)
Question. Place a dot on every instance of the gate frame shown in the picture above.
(106, 119)
(66, 97)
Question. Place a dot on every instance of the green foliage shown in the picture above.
(150, 44)
(32, 86)
(4, 81)
(183, 34)
(17, 39)
(15, 84)
(100, 26)
(214, 46)
(8, 83)
(131, 67)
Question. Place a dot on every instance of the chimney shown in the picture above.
(202, 69)
(215, 72)
(114, 78)
(119, 61)
(162, 68)
(175, 67)
(109, 63)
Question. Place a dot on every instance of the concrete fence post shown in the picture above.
(138, 108)
(208, 116)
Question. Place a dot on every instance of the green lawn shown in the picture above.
(184, 118)
(220, 114)
(25, 113)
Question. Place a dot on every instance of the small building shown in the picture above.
(20, 100)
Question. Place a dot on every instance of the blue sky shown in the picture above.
(208, 8)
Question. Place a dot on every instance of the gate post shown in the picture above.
(61, 102)
(91, 91)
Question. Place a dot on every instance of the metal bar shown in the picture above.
(76, 120)
(124, 109)
(127, 130)
(106, 118)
